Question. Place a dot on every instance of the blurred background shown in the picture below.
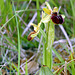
(28, 11)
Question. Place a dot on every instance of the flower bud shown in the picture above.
(29, 38)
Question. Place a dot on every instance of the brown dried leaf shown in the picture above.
(32, 66)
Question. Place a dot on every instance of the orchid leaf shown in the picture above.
(45, 71)
(50, 43)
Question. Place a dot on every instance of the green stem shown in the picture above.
(38, 12)
(18, 40)
(26, 68)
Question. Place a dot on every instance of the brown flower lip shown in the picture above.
(44, 65)
(57, 19)
(29, 38)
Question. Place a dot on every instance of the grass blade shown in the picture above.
(57, 54)
(26, 69)
(38, 12)
(18, 40)
(73, 11)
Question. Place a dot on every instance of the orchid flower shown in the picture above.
(52, 14)
(35, 32)
(47, 15)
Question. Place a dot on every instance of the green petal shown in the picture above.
(46, 19)
(63, 16)
(47, 11)
(34, 35)
(55, 9)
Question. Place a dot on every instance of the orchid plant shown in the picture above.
(50, 18)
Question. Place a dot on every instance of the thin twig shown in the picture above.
(64, 32)
(63, 41)
(59, 9)
(60, 41)
(26, 29)
(65, 68)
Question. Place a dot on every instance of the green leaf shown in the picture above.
(18, 32)
(72, 63)
(43, 33)
(38, 12)
(51, 34)
(3, 11)
(49, 44)
(15, 68)
(73, 13)
(45, 71)
(6, 23)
